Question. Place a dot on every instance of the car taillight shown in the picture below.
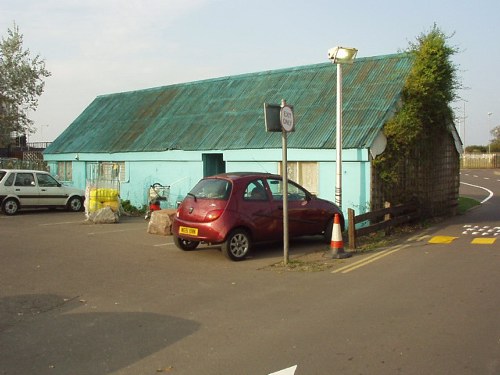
(213, 215)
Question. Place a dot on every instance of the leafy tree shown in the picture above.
(476, 149)
(495, 142)
(425, 112)
(21, 83)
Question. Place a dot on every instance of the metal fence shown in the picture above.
(480, 161)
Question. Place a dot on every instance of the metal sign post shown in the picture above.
(279, 118)
(284, 169)
(287, 125)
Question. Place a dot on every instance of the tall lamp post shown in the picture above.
(489, 130)
(339, 56)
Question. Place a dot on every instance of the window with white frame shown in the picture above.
(305, 173)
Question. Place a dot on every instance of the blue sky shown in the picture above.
(97, 47)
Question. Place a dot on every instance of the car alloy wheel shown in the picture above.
(237, 245)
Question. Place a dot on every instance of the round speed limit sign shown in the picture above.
(286, 118)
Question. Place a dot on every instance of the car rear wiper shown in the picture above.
(194, 196)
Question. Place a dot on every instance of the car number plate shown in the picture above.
(188, 230)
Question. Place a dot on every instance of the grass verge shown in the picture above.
(465, 204)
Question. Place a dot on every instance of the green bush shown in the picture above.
(132, 210)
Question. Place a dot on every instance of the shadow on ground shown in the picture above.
(39, 334)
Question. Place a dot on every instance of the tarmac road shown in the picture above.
(112, 299)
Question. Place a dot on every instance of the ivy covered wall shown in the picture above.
(421, 161)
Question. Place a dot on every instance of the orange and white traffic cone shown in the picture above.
(337, 243)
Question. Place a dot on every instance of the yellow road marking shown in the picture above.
(483, 241)
(368, 260)
(442, 239)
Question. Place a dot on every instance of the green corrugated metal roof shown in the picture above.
(227, 113)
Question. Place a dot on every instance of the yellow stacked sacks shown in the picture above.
(114, 205)
(94, 204)
(100, 198)
(107, 195)
(109, 198)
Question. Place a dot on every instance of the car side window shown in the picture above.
(255, 191)
(24, 179)
(45, 180)
(10, 180)
(295, 193)
(276, 187)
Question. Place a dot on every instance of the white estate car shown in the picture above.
(21, 188)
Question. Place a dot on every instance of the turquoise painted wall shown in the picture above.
(183, 169)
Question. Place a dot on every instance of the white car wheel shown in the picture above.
(10, 206)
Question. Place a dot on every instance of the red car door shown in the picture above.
(302, 215)
(295, 227)
(257, 212)
(306, 216)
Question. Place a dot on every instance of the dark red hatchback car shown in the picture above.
(239, 209)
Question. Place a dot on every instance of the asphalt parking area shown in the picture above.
(129, 236)
(102, 297)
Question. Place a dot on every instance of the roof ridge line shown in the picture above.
(250, 74)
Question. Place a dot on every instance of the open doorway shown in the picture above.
(213, 164)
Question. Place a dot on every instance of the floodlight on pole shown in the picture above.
(339, 56)
(342, 55)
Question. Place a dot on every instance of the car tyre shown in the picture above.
(327, 236)
(237, 245)
(185, 244)
(75, 204)
(10, 206)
